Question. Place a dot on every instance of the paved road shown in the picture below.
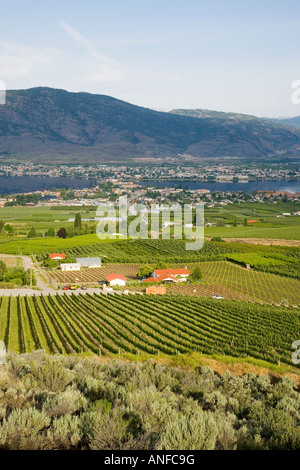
(30, 292)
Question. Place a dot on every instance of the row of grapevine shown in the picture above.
(168, 324)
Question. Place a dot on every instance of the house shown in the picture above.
(177, 272)
(162, 278)
(57, 256)
(169, 275)
(70, 267)
(115, 279)
(89, 262)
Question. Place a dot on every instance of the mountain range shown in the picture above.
(46, 124)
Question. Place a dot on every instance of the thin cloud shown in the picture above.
(17, 61)
(106, 69)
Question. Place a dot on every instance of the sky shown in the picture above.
(227, 55)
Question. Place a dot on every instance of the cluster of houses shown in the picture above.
(165, 276)
(80, 262)
(113, 279)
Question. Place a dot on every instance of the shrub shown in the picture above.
(195, 432)
(23, 429)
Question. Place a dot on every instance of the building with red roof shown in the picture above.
(168, 275)
(57, 256)
(115, 279)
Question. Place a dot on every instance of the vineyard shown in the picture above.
(93, 275)
(218, 277)
(249, 284)
(115, 324)
(145, 251)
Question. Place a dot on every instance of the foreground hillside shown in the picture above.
(52, 402)
(42, 122)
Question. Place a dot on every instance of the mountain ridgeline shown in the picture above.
(45, 123)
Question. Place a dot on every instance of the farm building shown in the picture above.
(70, 267)
(115, 279)
(168, 275)
(57, 256)
(89, 262)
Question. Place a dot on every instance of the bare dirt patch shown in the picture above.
(264, 241)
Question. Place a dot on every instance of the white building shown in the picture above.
(116, 279)
(70, 267)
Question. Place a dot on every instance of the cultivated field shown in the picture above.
(117, 323)
(93, 275)
(218, 277)
(11, 261)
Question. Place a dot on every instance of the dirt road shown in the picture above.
(263, 241)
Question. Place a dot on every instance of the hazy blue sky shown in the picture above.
(229, 55)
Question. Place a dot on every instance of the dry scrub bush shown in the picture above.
(57, 402)
(63, 403)
(65, 433)
(22, 429)
(194, 432)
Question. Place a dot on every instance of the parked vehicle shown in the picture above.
(73, 287)
(66, 287)
(83, 287)
(217, 297)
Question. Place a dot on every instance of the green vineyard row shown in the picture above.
(116, 324)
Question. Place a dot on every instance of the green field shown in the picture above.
(289, 232)
(269, 226)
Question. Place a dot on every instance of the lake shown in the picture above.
(26, 184)
(21, 184)
(290, 186)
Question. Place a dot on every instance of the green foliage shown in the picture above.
(10, 277)
(77, 221)
(8, 228)
(32, 233)
(196, 274)
(50, 232)
(145, 271)
(23, 199)
(161, 265)
(3, 268)
(62, 233)
(286, 263)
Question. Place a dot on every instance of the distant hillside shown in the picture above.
(295, 121)
(206, 113)
(42, 123)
